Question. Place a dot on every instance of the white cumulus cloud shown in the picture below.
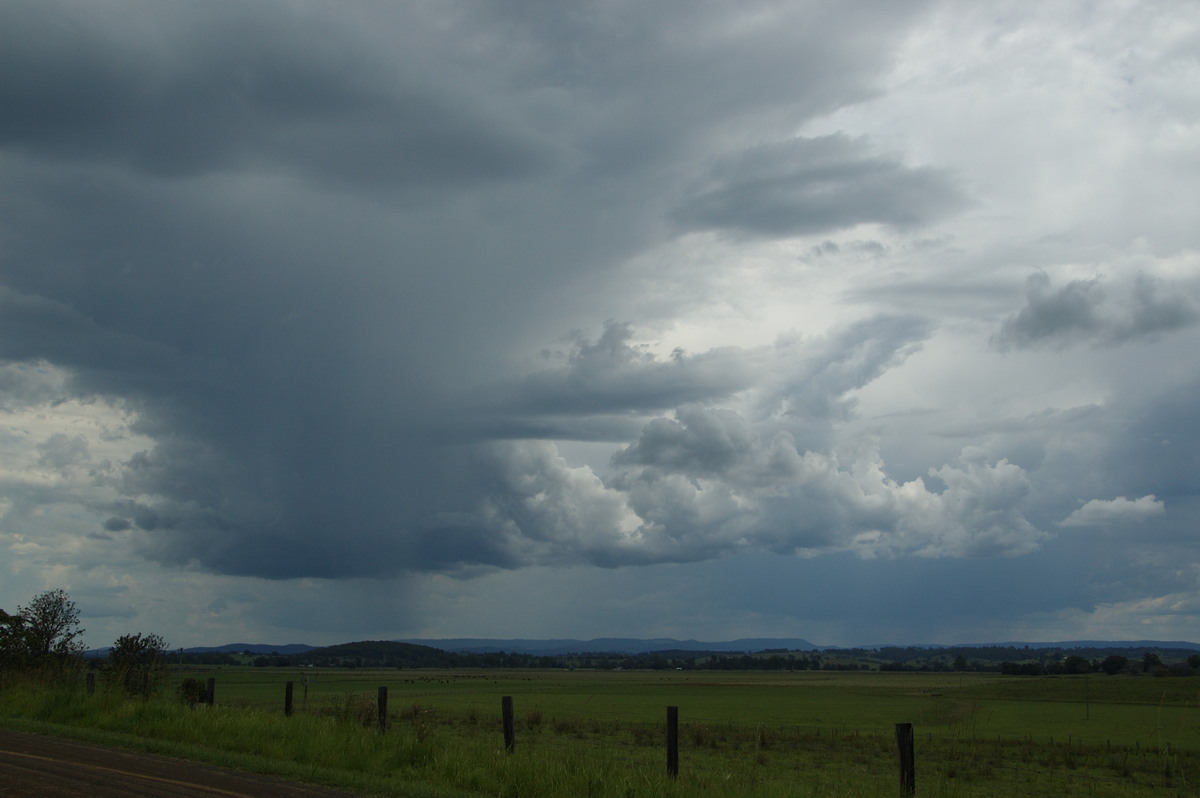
(1106, 512)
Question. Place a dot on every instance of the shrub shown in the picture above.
(136, 661)
(192, 692)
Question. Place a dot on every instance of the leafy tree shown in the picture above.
(52, 623)
(136, 661)
(1114, 664)
(1076, 664)
(1150, 661)
(15, 642)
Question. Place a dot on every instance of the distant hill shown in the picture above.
(253, 648)
(229, 648)
(609, 645)
(1148, 644)
(426, 650)
(1060, 644)
(378, 653)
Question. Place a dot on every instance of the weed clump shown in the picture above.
(192, 692)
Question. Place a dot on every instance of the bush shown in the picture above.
(192, 692)
(136, 661)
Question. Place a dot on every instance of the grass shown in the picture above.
(591, 733)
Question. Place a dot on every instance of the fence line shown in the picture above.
(904, 743)
(904, 733)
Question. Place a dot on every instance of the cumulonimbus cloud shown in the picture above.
(705, 484)
(304, 252)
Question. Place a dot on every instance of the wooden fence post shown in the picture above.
(673, 742)
(210, 691)
(381, 703)
(510, 732)
(904, 743)
(287, 699)
(91, 682)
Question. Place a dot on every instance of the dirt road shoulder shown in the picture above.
(41, 765)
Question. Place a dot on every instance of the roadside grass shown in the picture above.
(590, 733)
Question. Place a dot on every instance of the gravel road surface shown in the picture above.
(36, 765)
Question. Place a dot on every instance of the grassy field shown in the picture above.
(601, 733)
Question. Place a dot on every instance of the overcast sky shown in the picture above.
(861, 322)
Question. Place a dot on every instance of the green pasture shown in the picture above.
(601, 733)
(977, 734)
(1094, 709)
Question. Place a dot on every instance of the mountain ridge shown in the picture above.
(1066, 644)
(634, 645)
(606, 645)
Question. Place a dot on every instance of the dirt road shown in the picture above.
(35, 765)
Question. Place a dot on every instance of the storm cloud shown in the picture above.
(303, 304)
(810, 186)
(1083, 312)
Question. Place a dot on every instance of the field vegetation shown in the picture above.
(988, 722)
(601, 733)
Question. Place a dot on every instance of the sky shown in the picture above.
(861, 322)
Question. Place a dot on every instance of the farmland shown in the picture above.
(601, 733)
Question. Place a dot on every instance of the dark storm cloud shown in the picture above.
(615, 374)
(1154, 447)
(195, 89)
(115, 524)
(806, 186)
(1081, 312)
(33, 383)
(36, 327)
(649, 82)
(290, 240)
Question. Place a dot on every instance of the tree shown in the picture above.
(136, 661)
(15, 642)
(52, 622)
(1114, 664)
(1076, 664)
(1150, 661)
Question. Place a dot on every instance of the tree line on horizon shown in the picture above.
(1006, 660)
(46, 634)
